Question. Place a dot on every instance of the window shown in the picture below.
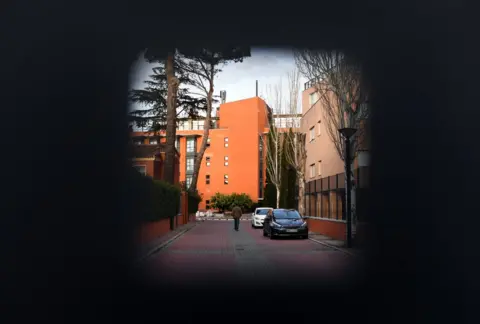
(207, 204)
(207, 161)
(312, 133)
(319, 128)
(225, 163)
(138, 142)
(225, 141)
(141, 168)
(319, 169)
(153, 141)
(226, 158)
(190, 164)
(188, 181)
(312, 170)
(207, 179)
(313, 98)
(198, 124)
(208, 142)
(183, 125)
(190, 145)
(225, 179)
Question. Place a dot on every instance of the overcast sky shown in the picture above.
(268, 66)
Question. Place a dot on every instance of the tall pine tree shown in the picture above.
(202, 66)
(153, 98)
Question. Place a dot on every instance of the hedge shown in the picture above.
(154, 199)
(193, 200)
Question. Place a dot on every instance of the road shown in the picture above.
(212, 250)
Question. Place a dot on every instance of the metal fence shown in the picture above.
(325, 197)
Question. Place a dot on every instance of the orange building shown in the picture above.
(148, 159)
(234, 158)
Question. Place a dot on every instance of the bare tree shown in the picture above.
(296, 155)
(273, 141)
(342, 94)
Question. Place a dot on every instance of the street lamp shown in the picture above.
(347, 134)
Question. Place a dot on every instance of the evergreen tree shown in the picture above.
(284, 189)
(202, 67)
(153, 97)
(292, 182)
(270, 194)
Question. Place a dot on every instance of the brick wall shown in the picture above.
(331, 228)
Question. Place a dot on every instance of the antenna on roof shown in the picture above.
(223, 96)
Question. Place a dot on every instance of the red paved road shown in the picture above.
(213, 251)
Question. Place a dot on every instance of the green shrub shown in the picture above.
(224, 202)
(220, 201)
(193, 200)
(242, 200)
(154, 199)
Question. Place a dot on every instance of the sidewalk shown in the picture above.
(336, 244)
(153, 246)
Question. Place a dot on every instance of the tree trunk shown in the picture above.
(301, 194)
(203, 146)
(278, 196)
(171, 128)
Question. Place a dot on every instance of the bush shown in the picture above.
(193, 200)
(220, 201)
(154, 199)
(242, 200)
(224, 202)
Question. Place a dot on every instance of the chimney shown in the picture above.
(256, 88)
(223, 96)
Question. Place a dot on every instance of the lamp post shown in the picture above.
(347, 134)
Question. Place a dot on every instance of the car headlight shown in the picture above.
(304, 224)
(276, 224)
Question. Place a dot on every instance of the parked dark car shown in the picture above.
(285, 222)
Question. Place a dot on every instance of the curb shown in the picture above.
(334, 247)
(163, 245)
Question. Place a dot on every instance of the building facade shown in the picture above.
(325, 177)
(148, 159)
(234, 158)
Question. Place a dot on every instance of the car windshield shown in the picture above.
(286, 214)
(262, 211)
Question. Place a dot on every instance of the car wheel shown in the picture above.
(253, 226)
(305, 237)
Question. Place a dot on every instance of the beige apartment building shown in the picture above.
(324, 171)
(322, 157)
